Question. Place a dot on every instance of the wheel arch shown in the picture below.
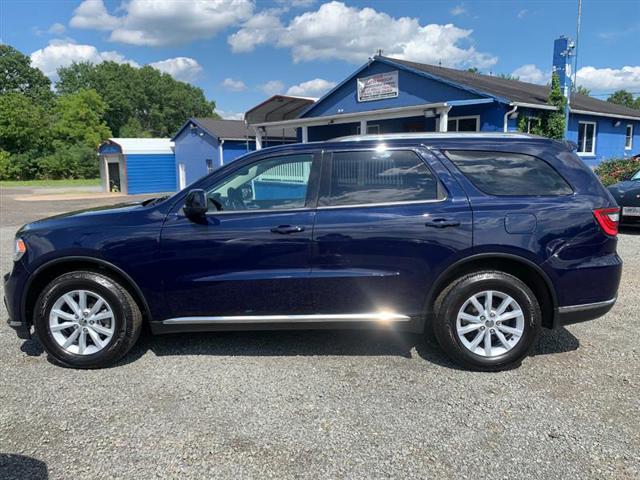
(54, 268)
(522, 268)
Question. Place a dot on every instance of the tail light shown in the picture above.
(608, 219)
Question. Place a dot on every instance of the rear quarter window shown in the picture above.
(509, 174)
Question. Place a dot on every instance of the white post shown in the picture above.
(221, 151)
(363, 127)
(305, 134)
(258, 138)
(444, 119)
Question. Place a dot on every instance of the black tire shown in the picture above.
(126, 316)
(451, 300)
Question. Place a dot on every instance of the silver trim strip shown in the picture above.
(341, 317)
(587, 306)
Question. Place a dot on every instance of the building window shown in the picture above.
(628, 139)
(209, 165)
(464, 124)
(587, 138)
(371, 130)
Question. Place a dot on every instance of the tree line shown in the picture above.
(53, 131)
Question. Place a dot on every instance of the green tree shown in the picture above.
(78, 119)
(580, 90)
(554, 125)
(133, 129)
(473, 70)
(23, 123)
(18, 76)
(548, 124)
(158, 102)
(507, 76)
(622, 97)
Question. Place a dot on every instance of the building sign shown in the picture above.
(378, 87)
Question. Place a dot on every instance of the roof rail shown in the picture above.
(434, 135)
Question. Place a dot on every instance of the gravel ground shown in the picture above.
(323, 404)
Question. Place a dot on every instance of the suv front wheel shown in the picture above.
(86, 319)
(487, 320)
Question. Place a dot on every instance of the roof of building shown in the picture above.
(513, 90)
(142, 145)
(278, 107)
(234, 129)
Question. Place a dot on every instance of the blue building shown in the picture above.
(389, 95)
(204, 144)
(137, 165)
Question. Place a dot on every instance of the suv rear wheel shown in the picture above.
(487, 320)
(86, 320)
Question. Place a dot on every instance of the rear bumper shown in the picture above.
(583, 313)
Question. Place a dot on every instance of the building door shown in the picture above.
(182, 176)
(113, 170)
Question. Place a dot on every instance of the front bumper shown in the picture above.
(582, 313)
(14, 285)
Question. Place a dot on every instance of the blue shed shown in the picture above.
(391, 95)
(137, 165)
(204, 144)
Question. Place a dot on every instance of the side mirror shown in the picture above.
(195, 205)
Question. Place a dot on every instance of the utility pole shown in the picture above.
(575, 52)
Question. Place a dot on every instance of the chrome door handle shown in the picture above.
(285, 229)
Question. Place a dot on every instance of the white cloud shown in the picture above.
(609, 79)
(56, 29)
(522, 13)
(62, 53)
(312, 88)
(161, 22)
(264, 27)
(229, 115)
(532, 74)
(272, 87)
(337, 31)
(295, 3)
(233, 85)
(458, 10)
(92, 14)
(184, 69)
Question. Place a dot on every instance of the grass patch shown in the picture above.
(79, 182)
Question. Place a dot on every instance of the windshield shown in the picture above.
(636, 176)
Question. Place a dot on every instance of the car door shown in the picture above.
(388, 222)
(250, 254)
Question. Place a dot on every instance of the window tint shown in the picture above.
(274, 183)
(359, 178)
(498, 173)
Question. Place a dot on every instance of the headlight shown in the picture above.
(19, 249)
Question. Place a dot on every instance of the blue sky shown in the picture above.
(241, 51)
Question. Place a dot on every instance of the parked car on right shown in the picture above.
(627, 194)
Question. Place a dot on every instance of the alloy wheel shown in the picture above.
(82, 322)
(490, 323)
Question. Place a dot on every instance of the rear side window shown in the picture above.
(372, 177)
(509, 174)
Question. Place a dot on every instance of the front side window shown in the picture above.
(374, 177)
(271, 184)
(586, 138)
(628, 139)
(509, 174)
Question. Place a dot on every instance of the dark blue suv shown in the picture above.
(481, 238)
